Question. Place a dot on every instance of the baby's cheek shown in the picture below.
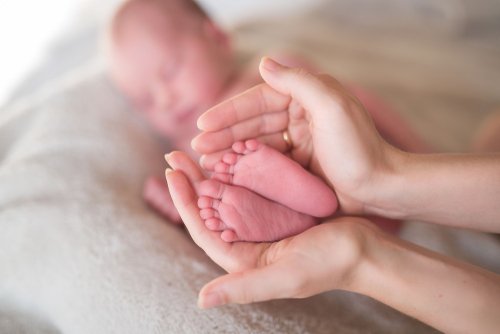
(163, 123)
(209, 82)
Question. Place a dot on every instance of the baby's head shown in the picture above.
(170, 59)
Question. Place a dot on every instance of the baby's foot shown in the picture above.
(242, 215)
(156, 194)
(273, 175)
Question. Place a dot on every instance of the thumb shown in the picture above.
(271, 282)
(310, 90)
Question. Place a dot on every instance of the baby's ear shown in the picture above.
(216, 34)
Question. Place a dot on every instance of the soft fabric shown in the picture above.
(81, 251)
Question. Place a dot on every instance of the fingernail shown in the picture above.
(168, 171)
(167, 156)
(193, 142)
(199, 123)
(270, 64)
(201, 161)
(210, 300)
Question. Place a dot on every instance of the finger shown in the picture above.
(208, 142)
(180, 161)
(185, 200)
(278, 280)
(256, 101)
(308, 89)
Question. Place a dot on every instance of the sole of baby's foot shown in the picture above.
(273, 175)
(242, 215)
(157, 196)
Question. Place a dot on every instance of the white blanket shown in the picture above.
(81, 251)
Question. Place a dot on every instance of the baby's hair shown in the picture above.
(128, 9)
(190, 6)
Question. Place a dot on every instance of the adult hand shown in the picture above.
(335, 138)
(348, 254)
(322, 258)
(332, 134)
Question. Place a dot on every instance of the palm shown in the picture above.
(267, 126)
(238, 256)
(300, 135)
(232, 257)
(331, 135)
(325, 254)
(341, 147)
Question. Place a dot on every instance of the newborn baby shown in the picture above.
(174, 63)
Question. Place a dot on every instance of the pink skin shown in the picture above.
(273, 175)
(255, 197)
(160, 69)
(243, 215)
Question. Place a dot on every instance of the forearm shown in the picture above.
(449, 295)
(459, 190)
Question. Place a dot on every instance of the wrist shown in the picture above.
(360, 237)
(426, 285)
(385, 194)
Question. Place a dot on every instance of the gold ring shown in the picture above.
(288, 140)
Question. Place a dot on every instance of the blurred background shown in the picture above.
(436, 61)
(30, 29)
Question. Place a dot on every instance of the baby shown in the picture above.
(174, 63)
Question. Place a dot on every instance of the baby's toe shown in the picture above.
(239, 147)
(212, 188)
(208, 213)
(215, 224)
(251, 145)
(225, 178)
(205, 202)
(230, 158)
(229, 236)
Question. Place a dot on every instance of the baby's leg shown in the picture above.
(156, 194)
(243, 215)
(273, 175)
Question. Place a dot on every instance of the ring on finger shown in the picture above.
(288, 140)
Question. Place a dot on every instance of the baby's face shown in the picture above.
(171, 78)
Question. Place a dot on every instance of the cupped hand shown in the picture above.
(332, 135)
(322, 258)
